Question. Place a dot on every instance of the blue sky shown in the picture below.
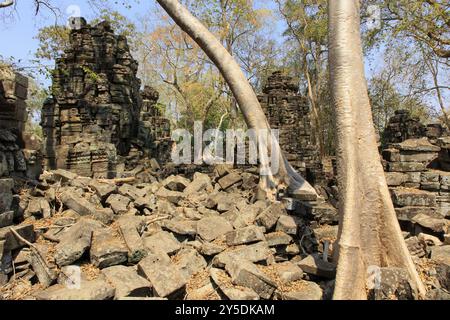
(19, 27)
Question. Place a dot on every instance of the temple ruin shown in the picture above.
(19, 152)
(90, 119)
(289, 112)
(154, 136)
(403, 126)
(416, 162)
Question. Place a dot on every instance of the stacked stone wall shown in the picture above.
(418, 176)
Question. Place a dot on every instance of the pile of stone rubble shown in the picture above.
(202, 237)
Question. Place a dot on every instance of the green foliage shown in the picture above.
(386, 99)
(415, 39)
(398, 85)
(92, 75)
(187, 80)
(36, 97)
(307, 19)
(9, 62)
(53, 40)
(421, 21)
(34, 128)
(402, 81)
(161, 108)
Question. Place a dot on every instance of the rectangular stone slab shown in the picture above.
(245, 235)
(255, 253)
(11, 242)
(164, 276)
(136, 247)
(127, 282)
(229, 180)
(403, 197)
(6, 219)
(75, 242)
(98, 289)
(246, 274)
(406, 166)
(107, 249)
(269, 217)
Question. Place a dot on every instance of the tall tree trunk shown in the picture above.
(244, 94)
(369, 233)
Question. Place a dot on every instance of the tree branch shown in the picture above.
(6, 3)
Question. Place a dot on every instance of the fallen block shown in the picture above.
(165, 277)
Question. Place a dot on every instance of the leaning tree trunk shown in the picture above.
(6, 3)
(243, 93)
(369, 233)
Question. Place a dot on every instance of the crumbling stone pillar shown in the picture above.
(154, 129)
(16, 162)
(13, 93)
(402, 127)
(289, 112)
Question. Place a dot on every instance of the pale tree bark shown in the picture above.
(369, 233)
(6, 3)
(244, 95)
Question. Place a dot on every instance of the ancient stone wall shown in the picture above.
(418, 176)
(13, 93)
(289, 112)
(16, 161)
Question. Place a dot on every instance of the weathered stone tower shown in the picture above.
(97, 111)
(154, 128)
(289, 112)
(402, 126)
(95, 104)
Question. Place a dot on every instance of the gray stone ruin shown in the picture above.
(90, 119)
(403, 126)
(289, 112)
(154, 128)
(19, 154)
(20, 159)
(417, 164)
